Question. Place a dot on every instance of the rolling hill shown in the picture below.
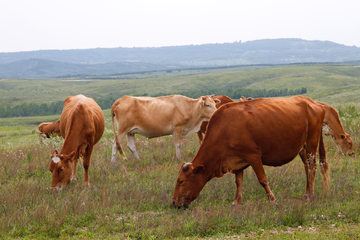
(109, 61)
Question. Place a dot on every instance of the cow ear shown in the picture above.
(216, 100)
(72, 155)
(342, 136)
(55, 152)
(198, 169)
(202, 102)
(62, 156)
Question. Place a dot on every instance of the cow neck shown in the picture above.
(332, 119)
(197, 112)
(210, 159)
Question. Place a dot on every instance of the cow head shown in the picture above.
(208, 106)
(346, 143)
(60, 167)
(190, 182)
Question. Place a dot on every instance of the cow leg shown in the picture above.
(178, 142)
(74, 177)
(116, 146)
(86, 164)
(302, 155)
(310, 150)
(256, 163)
(324, 166)
(238, 180)
(131, 145)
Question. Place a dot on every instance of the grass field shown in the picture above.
(131, 199)
(330, 84)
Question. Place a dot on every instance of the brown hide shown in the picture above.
(154, 117)
(82, 124)
(49, 128)
(252, 133)
(223, 100)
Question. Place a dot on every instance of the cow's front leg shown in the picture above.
(74, 177)
(256, 164)
(178, 142)
(239, 175)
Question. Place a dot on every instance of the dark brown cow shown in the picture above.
(223, 100)
(155, 117)
(48, 128)
(82, 124)
(252, 133)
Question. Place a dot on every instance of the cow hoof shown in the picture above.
(235, 205)
(74, 179)
(306, 197)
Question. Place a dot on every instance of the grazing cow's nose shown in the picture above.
(352, 154)
(173, 202)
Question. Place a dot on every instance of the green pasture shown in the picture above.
(331, 84)
(131, 199)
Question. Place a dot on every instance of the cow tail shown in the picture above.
(324, 165)
(113, 125)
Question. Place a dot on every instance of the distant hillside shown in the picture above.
(41, 68)
(105, 61)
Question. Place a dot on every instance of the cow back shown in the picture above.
(275, 128)
(82, 115)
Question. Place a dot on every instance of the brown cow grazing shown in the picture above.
(252, 133)
(336, 131)
(332, 120)
(223, 100)
(48, 128)
(82, 124)
(154, 117)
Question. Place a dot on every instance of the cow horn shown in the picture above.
(186, 166)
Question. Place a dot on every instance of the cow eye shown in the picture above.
(61, 170)
(208, 105)
(181, 182)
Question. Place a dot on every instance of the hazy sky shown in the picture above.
(27, 25)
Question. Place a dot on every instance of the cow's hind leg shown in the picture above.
(309, 159)
(114, 150)
(131, 145)
(116, 146)
(324, 166)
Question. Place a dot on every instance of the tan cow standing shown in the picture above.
(154, 117)
(82, 124)
(253, 133)
(223, 100)
(48, 128)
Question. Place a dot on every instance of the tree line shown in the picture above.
(44, 109)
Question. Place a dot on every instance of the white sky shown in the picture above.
(27, 25)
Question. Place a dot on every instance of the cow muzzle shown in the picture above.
(55, 189)
(182, 206)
